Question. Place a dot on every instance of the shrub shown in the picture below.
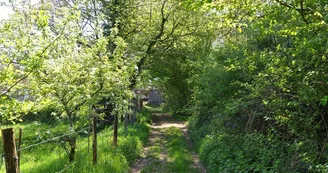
(250, 153)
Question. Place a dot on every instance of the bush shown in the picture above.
(250, 153)
(197, 130)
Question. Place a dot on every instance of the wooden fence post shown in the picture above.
(140, 105)
(126, 121)
(19, 147)
(134, 110)
(9, 148)
(115, 129)
(89, 128)
(94, 143)
(89, 132)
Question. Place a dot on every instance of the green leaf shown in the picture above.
(324, 101)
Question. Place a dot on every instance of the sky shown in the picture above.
(6, 10)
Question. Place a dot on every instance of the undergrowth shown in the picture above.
(250, 152)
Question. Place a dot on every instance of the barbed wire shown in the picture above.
(49, 140)
(66, 167)
(52, 139)
(57, 137)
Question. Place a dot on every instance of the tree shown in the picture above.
(79, 71)
(25, 44)
(157, 27)
(263, 81)
(56, 57)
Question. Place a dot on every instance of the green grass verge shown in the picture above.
(155, 164)
(155, 108)
(180, 158)
(181, 117)
(51, 157)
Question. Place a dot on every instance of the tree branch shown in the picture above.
(285, 4)
(12, 86)
(43, 51)
(302, 11)
(84, 101)
(150, 46)
(131, 32)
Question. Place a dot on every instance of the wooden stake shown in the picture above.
(19, 147)
(134, 116)
(140, 104)
(126, 121)
(115, 129)
(9, 148)
(94, 143)
(89, 130)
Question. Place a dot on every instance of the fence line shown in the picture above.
(66, 167)
(42, 142)
(49, 140)
(52, 139)
(57, 137)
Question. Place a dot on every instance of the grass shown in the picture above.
(174, 145)
(160, 109)
(51, 157)
(180, 158)
(155, 163)
(181, 117)
(155, 108)
(155, 151)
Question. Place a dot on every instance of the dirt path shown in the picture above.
(156, 148)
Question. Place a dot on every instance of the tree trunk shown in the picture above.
(71, 139)
(72, 143)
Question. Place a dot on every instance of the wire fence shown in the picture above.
(50, 140)
(66, 167)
